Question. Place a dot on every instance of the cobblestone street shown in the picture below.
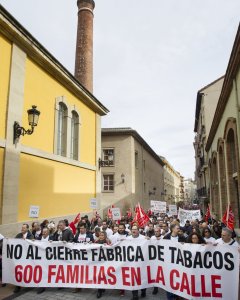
(86, 294)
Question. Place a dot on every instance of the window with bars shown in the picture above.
(108, 183)
(74, 135)
(108, 157)
(62, 130)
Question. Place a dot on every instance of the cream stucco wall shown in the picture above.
(151, 175)
(229, 112)
(123, 164)
(209, 103)
(132, 191)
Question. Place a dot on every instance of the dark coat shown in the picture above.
(181, 239)
(36, 236)
(67, 235)
(29, 236)
(88, 235)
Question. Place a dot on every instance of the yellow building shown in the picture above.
(55, 168)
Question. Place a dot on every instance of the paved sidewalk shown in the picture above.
(86, 294)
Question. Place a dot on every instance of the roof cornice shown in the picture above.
(233, 66)
(131, 132)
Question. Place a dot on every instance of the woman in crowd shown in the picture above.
(207, 235)
(195, 238)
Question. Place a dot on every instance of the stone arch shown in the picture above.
(232, 155)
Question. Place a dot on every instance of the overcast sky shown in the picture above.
(150, 59)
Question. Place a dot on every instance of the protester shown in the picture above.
(36, 231)
(173, 235)
(157, 234)
(195, 238)
(105, 227)
(207, 235)
(102, 240)
(137, 236)
(187, 228)
(64, 233)
(44, 224)
(46, 235)
(82, 235)
(150, 230)
(120, 235)
(25, 233)
(96, 233)
(226, 238)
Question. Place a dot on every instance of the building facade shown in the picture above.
(190, 191)
(223, 142)
(131, 171)
(172, 181)
(207, 99)
(56, 167)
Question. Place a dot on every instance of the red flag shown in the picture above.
(110, 212)
(129, 213)
(75, 221)
(208, 214)
(141, 217)
(228, 218)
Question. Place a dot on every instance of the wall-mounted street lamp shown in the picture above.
(123, 178)
(33, 116)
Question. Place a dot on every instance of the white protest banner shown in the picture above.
(191, 271)
(158, 206)
(172, 210)
(184, 215)
(93, 203)
(34, 211)
(116, 213)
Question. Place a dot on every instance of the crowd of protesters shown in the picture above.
(107, 231)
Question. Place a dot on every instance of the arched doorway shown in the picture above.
(232, 167)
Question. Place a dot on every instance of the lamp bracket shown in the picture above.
(19, 130)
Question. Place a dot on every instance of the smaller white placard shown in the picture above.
(93, 203)
(116, 214)
(158, 206)
(173, 210)
(34, 211)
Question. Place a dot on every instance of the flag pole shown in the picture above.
(228, 213)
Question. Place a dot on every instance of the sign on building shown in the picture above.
(93, 203)
(34, 211)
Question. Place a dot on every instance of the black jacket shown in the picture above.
(29, 236)
(181, 239)
(66, 236)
